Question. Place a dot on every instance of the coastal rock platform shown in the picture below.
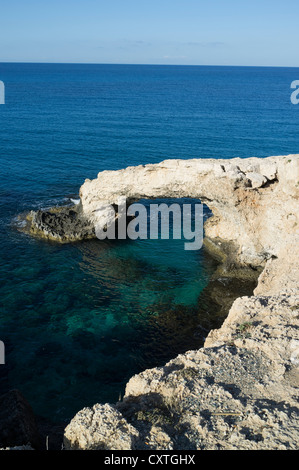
(241, 389)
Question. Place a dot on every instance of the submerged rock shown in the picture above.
(18, 425)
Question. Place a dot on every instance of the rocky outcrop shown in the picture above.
(253, 200)
(240, 391)
(61, 224)
(101, 427)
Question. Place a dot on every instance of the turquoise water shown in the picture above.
(79, 320)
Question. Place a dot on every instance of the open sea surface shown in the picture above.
(79, 320)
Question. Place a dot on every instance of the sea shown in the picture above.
(79, 319)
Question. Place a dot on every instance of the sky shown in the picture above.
(185, 32)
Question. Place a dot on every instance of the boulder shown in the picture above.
(101, 427)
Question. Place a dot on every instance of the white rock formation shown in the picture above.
(241, 390)
(101, 427)
(247, 197)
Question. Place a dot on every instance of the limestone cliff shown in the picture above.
(241, 390)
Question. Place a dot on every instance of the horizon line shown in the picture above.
(147, 64)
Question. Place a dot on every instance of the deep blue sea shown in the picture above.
(79, 320)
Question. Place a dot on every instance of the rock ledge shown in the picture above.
(241, 390)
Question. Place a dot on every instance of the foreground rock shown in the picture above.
(238, 392)
(241, 390)
(100, 427)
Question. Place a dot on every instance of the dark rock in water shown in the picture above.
(62, 224)
(17, 422)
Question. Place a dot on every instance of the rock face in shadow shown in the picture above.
(17, 422)
(64, 224)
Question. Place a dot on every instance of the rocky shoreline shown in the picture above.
(240, 390)
(61, 224)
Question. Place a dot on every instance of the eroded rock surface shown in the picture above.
(241, 390)
(254, 200)
(61, 224)
(100, 427)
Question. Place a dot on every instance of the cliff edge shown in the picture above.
(240, 391)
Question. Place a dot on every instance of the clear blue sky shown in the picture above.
(199, 32)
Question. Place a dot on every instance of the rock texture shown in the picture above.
(238, 392)
(98, 428)
(241, 390)
(61, 224)
(253, 200)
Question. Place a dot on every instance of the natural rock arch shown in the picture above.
(246, 197)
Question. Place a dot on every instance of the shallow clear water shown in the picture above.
(79, 320)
